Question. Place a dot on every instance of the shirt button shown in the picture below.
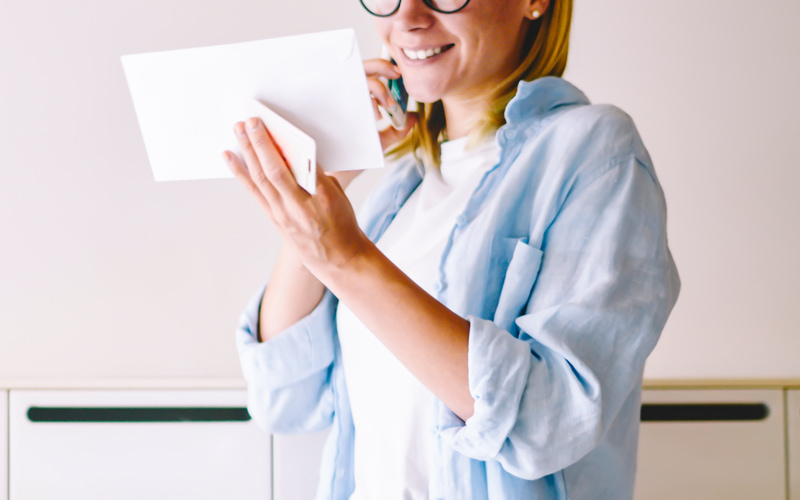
(461, 220)
(437, 287)
(510, 134)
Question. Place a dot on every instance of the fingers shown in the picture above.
(254, 170)
(241, 173)
(381, 67)
(269, 158)
(380, 96)
(265, 164)
(377, 69)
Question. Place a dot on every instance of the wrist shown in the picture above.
(363, 256)
(290, 258)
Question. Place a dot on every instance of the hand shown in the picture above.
(375, 69)
(322, 227)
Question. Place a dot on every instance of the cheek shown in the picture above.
(499, 29)
(383, 28)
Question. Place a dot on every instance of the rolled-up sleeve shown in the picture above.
(289, 377)
(544, 396)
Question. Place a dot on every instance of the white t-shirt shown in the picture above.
(392, 410)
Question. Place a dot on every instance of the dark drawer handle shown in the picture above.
(705, 412)
(138, 414)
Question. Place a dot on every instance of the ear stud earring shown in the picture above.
(536, 14)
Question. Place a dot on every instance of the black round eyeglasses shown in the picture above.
(385, 8)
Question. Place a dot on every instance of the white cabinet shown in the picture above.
(136, 444)
(711, 444)
(296, 459)
(793, 426)
(165, 444)
(3, 445)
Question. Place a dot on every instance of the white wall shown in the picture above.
(713, 87)
(103, 272)
(106, 274)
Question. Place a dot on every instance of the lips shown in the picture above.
(417, 55)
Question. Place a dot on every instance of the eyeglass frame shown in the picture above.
(429, 3)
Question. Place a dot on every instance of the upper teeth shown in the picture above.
(421, 54)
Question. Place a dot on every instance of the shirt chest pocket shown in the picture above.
(521, 262)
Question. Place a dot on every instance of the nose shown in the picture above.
(413, 15)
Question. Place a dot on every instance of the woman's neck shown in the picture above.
(462, 114)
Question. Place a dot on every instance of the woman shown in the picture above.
(482, 332)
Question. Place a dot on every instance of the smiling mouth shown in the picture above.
(418, 55)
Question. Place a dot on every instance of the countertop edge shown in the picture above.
(123, 384)
(239, 383)
(774, 383)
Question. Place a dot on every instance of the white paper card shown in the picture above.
(188, 100)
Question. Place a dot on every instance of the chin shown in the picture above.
(423, 93)
(424, 100)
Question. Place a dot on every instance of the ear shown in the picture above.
(536, 9)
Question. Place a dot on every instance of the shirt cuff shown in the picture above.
(302, 349)
(499, 365)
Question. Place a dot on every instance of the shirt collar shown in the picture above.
(540, 97)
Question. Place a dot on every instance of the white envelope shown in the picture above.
(188, 100)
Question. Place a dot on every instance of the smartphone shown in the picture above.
(397, 90)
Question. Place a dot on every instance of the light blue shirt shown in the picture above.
(560, 263)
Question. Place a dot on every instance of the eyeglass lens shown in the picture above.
(388, 7)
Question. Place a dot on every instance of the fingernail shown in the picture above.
(238, 129)
(252, 123)
(226, 156)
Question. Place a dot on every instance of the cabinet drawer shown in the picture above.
(793, 426)
(296, 460)
(3, 445)
(711, 444)
(136, 444)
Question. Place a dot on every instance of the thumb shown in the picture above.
(324, 180)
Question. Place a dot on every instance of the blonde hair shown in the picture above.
(545, 54)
